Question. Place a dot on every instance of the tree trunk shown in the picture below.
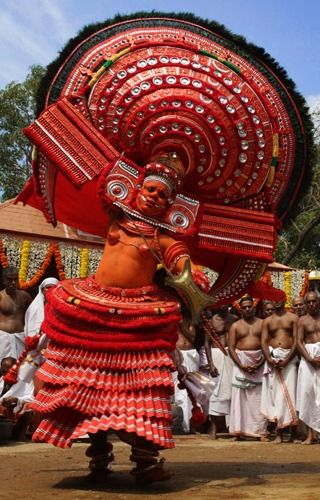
(304, 233)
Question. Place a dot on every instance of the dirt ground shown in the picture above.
(203, 469)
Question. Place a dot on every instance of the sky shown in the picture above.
(34, 31)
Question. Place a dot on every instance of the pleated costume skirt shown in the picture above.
(108, 363)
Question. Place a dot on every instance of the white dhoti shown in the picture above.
(181, 398)
(245, 415)
(308, 389)
(11, 344)
(220, 397)
(279, 391)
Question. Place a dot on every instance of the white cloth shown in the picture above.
(279, 385)
(35, 312)
(33, 319)
(220, 398)
(11, 344)
(181, 398)
(308, 389)
(23, 391)
(245, 416)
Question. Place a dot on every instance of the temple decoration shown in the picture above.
(127, 89)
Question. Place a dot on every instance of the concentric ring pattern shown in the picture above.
(174, 85)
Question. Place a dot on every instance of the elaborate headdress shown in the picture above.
(168, 168)
(126, 89)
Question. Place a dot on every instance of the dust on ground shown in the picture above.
(204, 469)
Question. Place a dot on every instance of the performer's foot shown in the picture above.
(98, 476)
(151, 474)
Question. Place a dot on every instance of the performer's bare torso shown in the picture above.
(127, 263)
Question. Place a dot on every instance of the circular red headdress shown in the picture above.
(150, 83)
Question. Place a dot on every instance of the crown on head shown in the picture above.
(167, 168)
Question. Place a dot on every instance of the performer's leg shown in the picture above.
(148, 467)
(100, 452)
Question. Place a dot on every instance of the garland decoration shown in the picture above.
(25, 251)
(84, 259)
(32, 259)
(287, 287)
(3, 256)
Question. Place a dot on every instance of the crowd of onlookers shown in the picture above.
(266, 383)
(257, 374)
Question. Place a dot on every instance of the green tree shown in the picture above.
(17, 110)
(299, 243)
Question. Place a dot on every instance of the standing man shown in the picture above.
(220, 367)
(279, 337)
(245, 350)
(308, 390)
(267, 308)
(298, 306)
(13, 305)
(188, 361)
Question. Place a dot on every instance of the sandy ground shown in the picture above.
(203, 469)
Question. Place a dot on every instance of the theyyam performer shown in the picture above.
(169, 138)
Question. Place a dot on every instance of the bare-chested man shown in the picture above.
(308, 390)
(219, 366)
(245, 350)
(267, 308)
(279, 336)
(298, 306)
(187, 360)
(13, 305)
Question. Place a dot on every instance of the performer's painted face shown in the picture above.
(152, 199)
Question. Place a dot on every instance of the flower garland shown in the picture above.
(3, 256)
(84, 260)
(94, 260)
(59, 263)
(287, 287)
(305, 285)
(37, 277)
(24, 258)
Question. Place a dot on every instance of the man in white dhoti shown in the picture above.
(245, 350)
(308, 388)
(219, 367)
(13, 305)
(279, 335)
(188, 362)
